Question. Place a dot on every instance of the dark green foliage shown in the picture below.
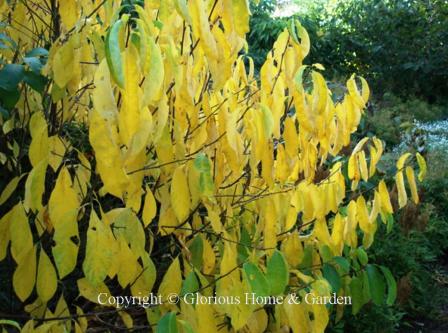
(398, 46)
(263, 30)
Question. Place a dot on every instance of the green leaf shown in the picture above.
(186, 326)
(34, 64)
(292, 30)
(9, 98)
(277, 273)
(37, 52)
(203, 165)
(167, 324)
(362, 256)
(257, 281)
(10, 323)
(376, 284)
(190, 284)
(35, 81)
(10, 76)
(197, 249)
(325, 253)
(390, 222)
(158, 24)
(343, 264)
(8, 40)
(356, 294)
(365, 287)
(244, 245)
(331, 275)
(391, 285)
(4, 113)
(307, 260)
(113, 53)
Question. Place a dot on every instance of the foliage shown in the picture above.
(264, 30)
(150, 159)
(399, 46)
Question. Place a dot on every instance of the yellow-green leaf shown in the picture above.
(149, 207)
(180, 194)
(24, 276)
(46, 283)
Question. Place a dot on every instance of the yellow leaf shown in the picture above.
(290, 137)
(241, 15)
(129, 268)
(167, 221)
(96, 294)
(258, 322)
(180, 194)
(38, 150)
(9, 189)
(56, 154)
(103, 96)
(108, 155)
(362, 214)
(385, 199)
(63, 209)
(172, 280)
(127, 319)
(422, 167)
(128, 227)
(4, 234)
(68, 10)
(354, 92)
(207, 321)
(201, 28)
(363, 165)
(293, 249)
(352, 167)
(208, 257)
(20, 233)
(402, 160)
(270, 230)
(62, 310)
(412, 185)
(35, 187)
(402, 196)
(153, 85)
(82, 321)
(64, 63)
(321, 317)
(99, 256)
(46, 283)
(24, 276)
(146, 277)
(129, 115)
(149, 207)
(297, 315)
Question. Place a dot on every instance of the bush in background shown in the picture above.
(398, 46)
